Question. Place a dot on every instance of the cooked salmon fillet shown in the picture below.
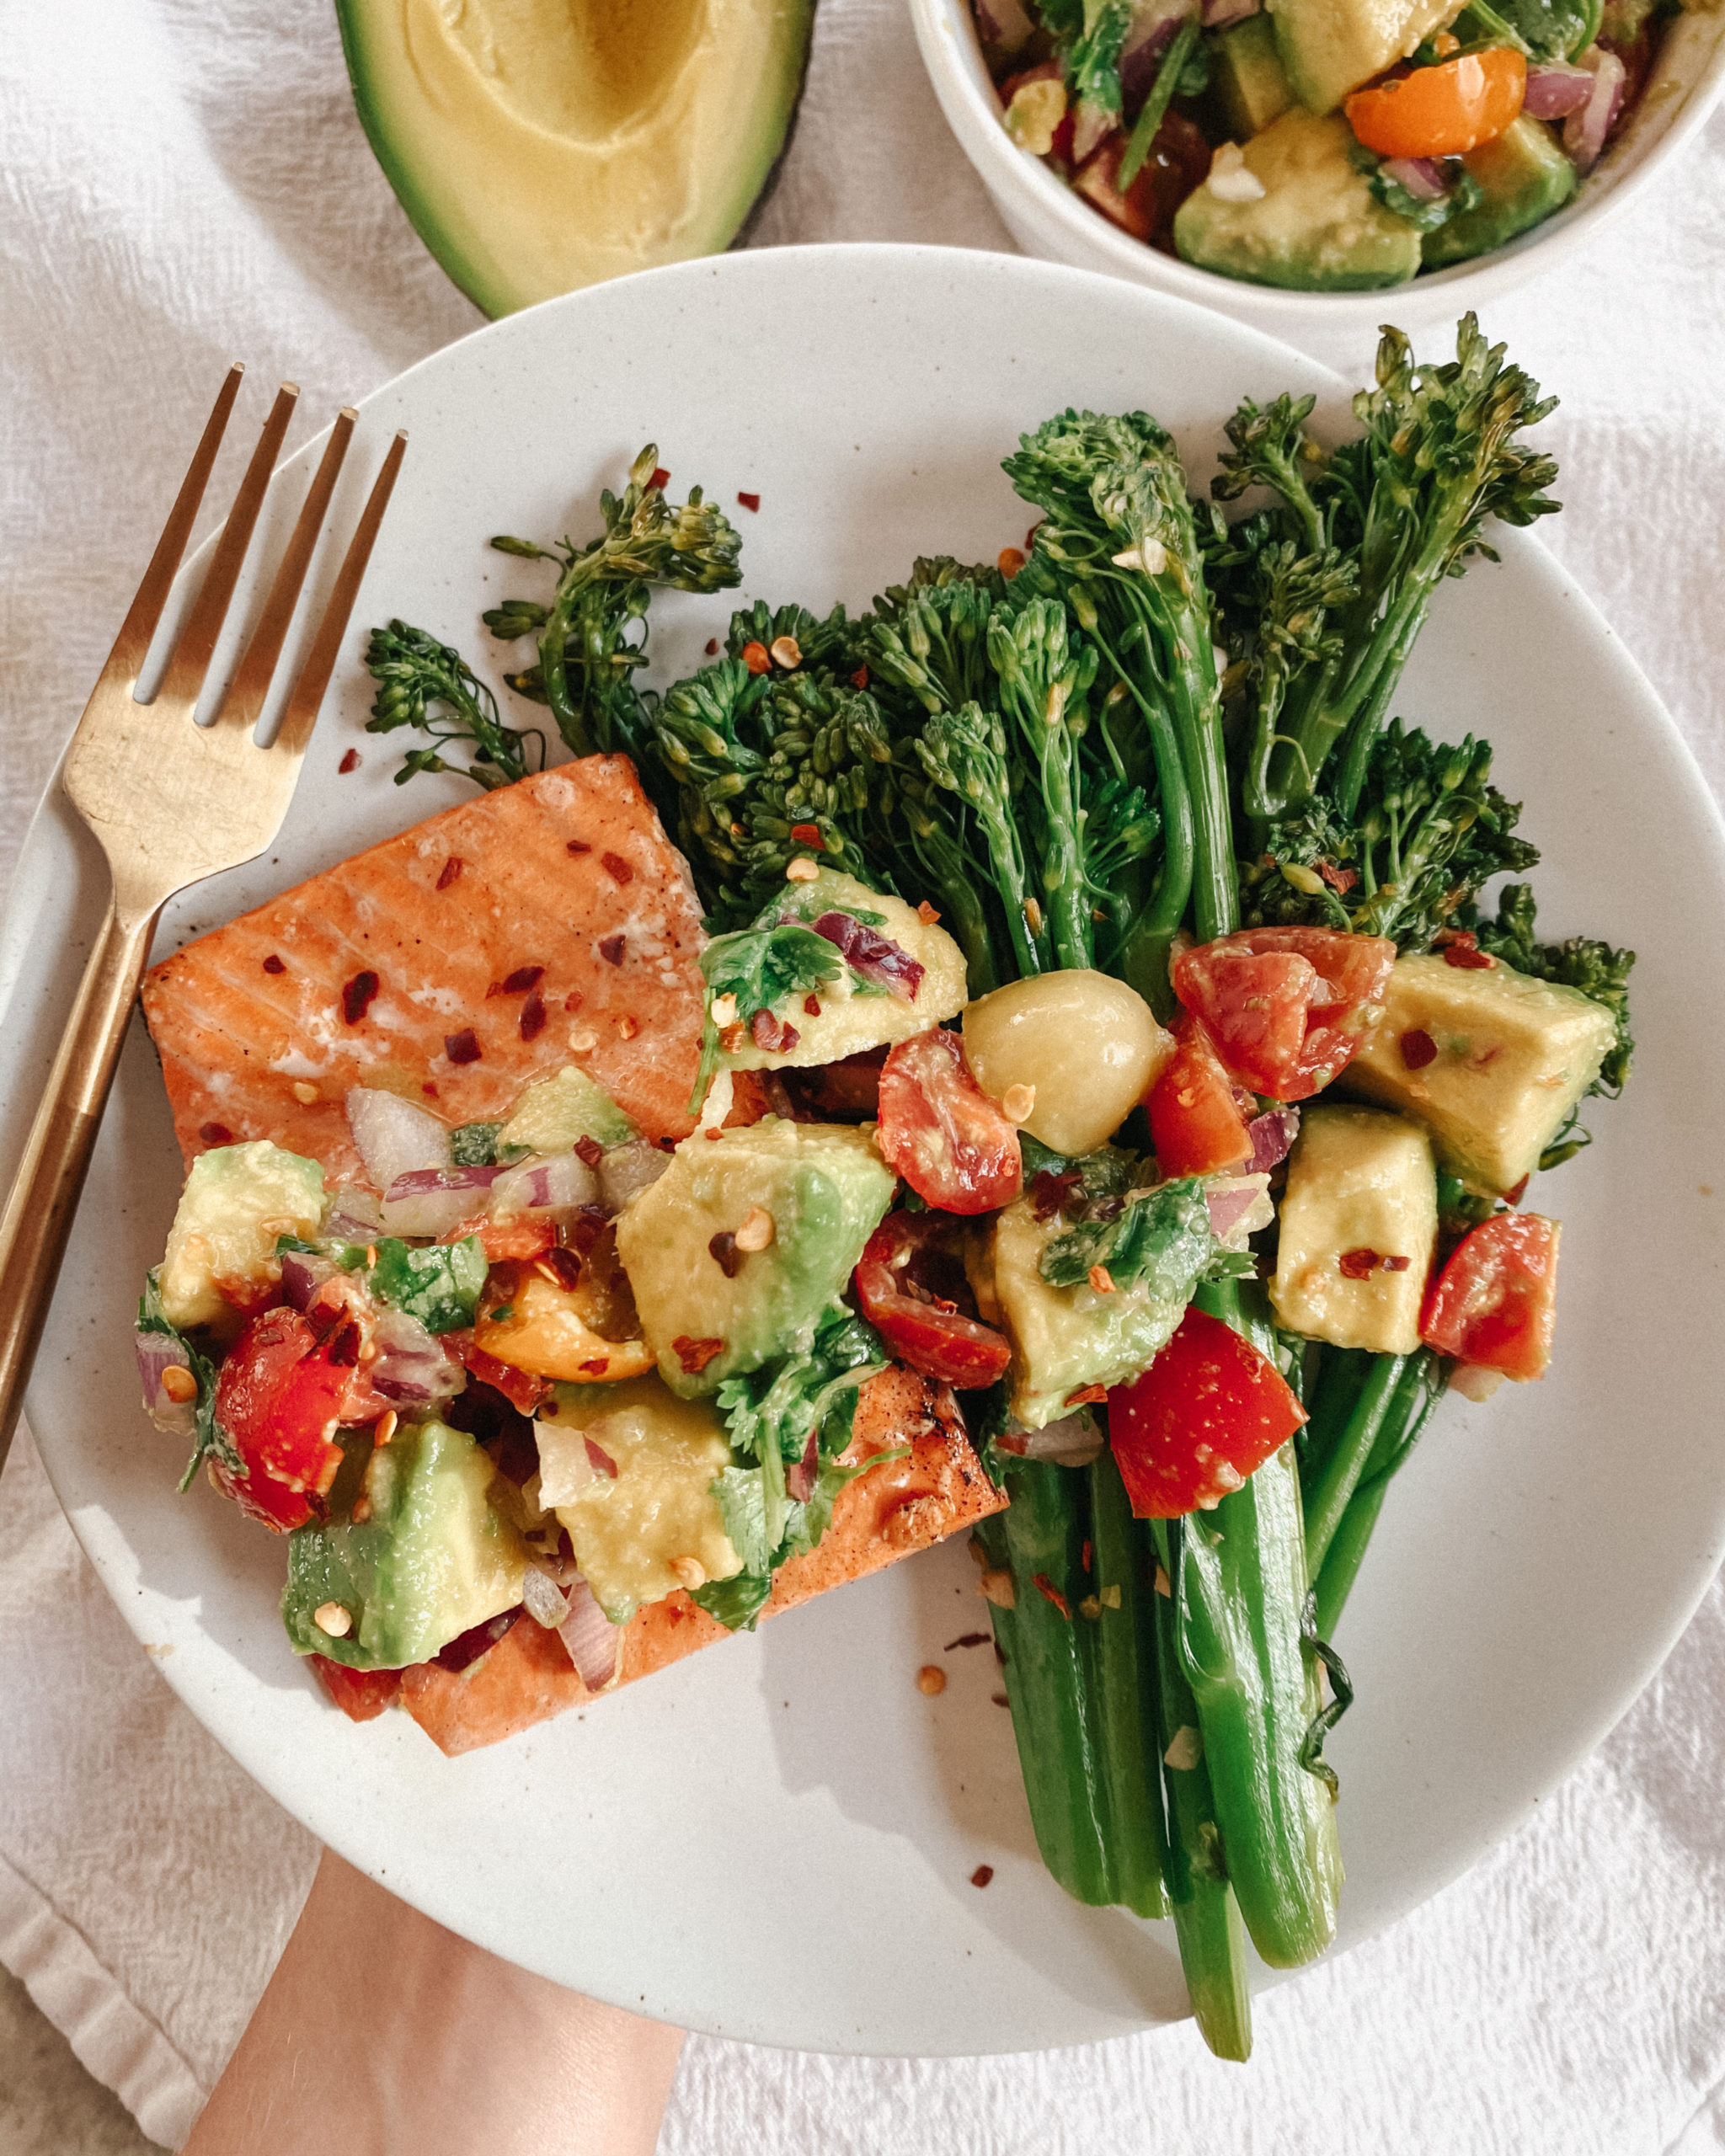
(906, 1505)
(406, 969)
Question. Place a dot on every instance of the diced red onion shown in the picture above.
(158, 1352)
(1473, 1381)
(419, 1183)
(594, 1642)
(393, 1136)
(1152, 34)
(877, 958)
(467, 1647)
(1585, 132)
(433, 1201)
(302, 1276)
(357, 1219)
(412, 1366)
(627, 1170)
(1272, 1134)
(1227, 1209)
(1555, 91)
(559, 1184)
(542, 1600)
(1219, 13)
(1003, 24)
(1419, 176)
(1074, 1441)
(801, 1480)
(599, 1461)
(1092, 126)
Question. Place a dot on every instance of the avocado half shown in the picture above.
(541, 144)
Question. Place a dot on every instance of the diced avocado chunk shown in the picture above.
(553, 1115)
(1066, 1338)
(1509, 1059)
(854, 1015)
(1247, 77)
(823, 1187)
(1332, 46)
(655, 1525)
(1316, 227)
(1524, 176)
(236, 1201)
(1359, 1221)
(430, 1560)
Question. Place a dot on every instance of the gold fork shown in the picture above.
(171, 802)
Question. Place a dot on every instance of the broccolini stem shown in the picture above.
(1326, 1498)
(1403, 1426)
(1143, 958)
(1123, 1568)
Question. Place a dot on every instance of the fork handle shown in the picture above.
(50, 1180)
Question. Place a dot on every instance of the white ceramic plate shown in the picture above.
(775, 1839)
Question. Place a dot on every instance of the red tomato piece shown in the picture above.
(1493, 1302)
(942, 1132)
(281, 1396)
(362, 1694)
(1207, 1413)
(523, 1237)
(1195, 1119)
(1179, 161)
(1285, 1006)
(520, 1388)
(909, 1261)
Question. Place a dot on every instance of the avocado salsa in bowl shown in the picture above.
(1318, 149)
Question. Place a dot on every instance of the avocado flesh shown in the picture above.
(1524, 176)
(1317, 228)
(1358, 1180)
(538, 145)
(1330, 47)
(430, 1560)
(1249, 81)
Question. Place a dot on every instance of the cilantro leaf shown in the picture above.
(1161, 1240)
(762, 967)
(210, 1439)
(474, 1145)
(738, 1602)
(439, 1286)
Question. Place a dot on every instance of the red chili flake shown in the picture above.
(809, 835)
(1359, 1264)
(859, 680)
(1050, 1594)
(560, 1266)
(723, 1251)
(357, 996)
(272, 964)
(1085, 1556)
(618, 868)
(461, 1047)
(1418, 1048)
(602, 1459)
(982, 1874)
(712, 647)
(597, 1367)
(533, 1016)
(217, 1134)
(811, 1005)
(426, 1086)
(1461, 947)
(754, 658)
(748, 501)
(1009, 562)
(590, 1151)
(927, 914)
(1338, 879)
(519, 982)
(1514, 1197)
(451, 869)
(573, 1000)
(350, 762)
(577, 845)
(695, 1355)
(968, 1640)
(1087, 1395)
(1030, 536)
(1396, 1264)
(611, 949)
(661, 478)
(999, 1699)
(772, 1033)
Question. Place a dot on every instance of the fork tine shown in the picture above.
(301, 713)
(197, 640)
(250, 686)
(132, 644)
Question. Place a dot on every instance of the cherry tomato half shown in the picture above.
(1207, 1413)
(281, 1396)
(1284, 1006)
(909, 1281)
(362, 1694)
(942, 1132)
(1493, 1302)
(1441, 111)
(1194, 1120)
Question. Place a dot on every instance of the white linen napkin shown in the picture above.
(184, 183)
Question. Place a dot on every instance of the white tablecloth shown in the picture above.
(183, 184)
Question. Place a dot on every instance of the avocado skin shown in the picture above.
(1525, 176)
(458, 236)
(1317, 228)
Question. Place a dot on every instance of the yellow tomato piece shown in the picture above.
(1442, 111)
(544, 1332)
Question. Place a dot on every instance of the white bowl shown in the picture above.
(1047, 219)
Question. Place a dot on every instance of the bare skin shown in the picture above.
(381, 2034)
